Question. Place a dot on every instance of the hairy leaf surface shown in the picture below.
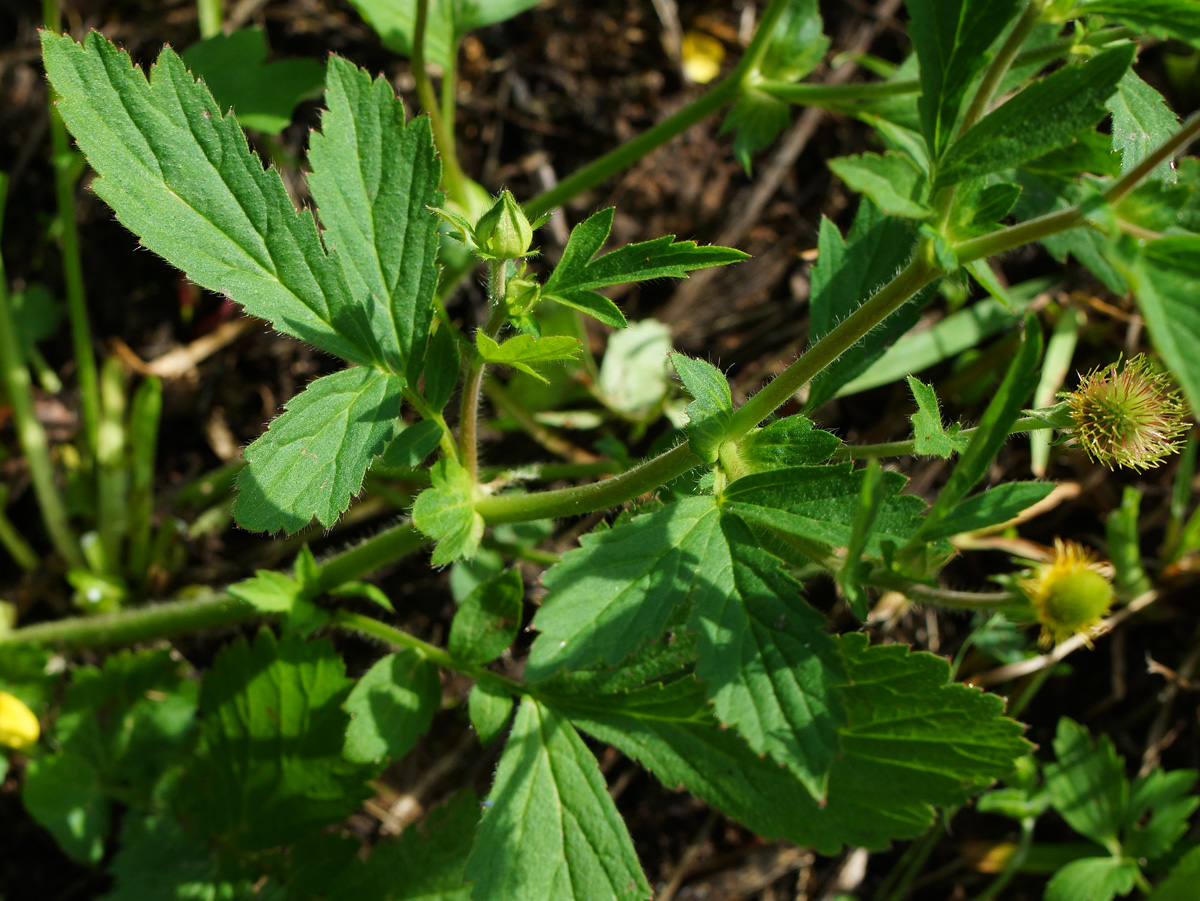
(1141, 121)
(710, 412)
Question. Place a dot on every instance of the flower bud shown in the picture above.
(504, 232)
(19, 727)
(1070, 593)
(1127, 415)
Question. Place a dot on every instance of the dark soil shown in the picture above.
(540, 96)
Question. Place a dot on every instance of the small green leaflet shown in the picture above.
(1094, 878)
(1180, 884)
(269, 591)
(756, 120)
(913, 739)
(893, 182)
(1087, 785)
(929, 437)
(63, 793)
(580, 272)
(489, 709)
(488, 618)
(312, 459)
(374, 178)
(179, 175)
(951, 38)
(261, 94)
(766, 662)
(1141, 121)
(395, 22)
(1045, 116)
(791, 441)
(442, 367)
(710, 412)
(522, 350)
(446, 512)
(1164, 18)
(392, 706)
(252, 782)
(550, 831)
(412, 444)
(989, 508)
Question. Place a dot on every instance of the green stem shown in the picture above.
(1000, 65)
(65, 175)
(18, 548)
(724, 92)
(807, 94)
(14, 375)
(212, 17)
(446, 442)
(899, 448)
(373, 628)
(468, 422)
(112, 473)
(453, 178)
(364, 558)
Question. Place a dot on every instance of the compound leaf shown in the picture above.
(392, 706)
(269, 768)
(446, 512)
(1045, 116)
(179, 175)
(312, 459)
(710, 412)
(373, 178)
(580, 272)
(550, 831)
(951, 38)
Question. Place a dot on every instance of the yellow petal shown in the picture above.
(702, 56)
(19, 727)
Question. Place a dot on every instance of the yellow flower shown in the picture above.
(1070, 593)
(19, 727)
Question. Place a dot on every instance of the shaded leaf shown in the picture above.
(992, 507)
(391, 707)
(488, 618)
(489, 709)
(1141, 121)
(446, 512)
(710, 412)
(892, 181)
(520, 351)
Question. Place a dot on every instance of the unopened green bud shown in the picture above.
(504, 232)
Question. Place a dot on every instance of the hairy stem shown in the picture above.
(1000, 65)
(468, 423)
(453, 178)
(908, 446)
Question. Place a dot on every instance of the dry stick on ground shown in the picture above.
(1157, 738)
(1012, 671)
(773, 174)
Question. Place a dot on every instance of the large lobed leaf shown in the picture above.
(912, 740)
(312, 459)
(179, 175)
(550, 831)
(373, 178)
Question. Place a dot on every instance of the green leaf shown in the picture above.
(1045, 116)
(820, 504)
(269, 591)
(929, 437)
(550, 831)
(634, 375)
(373, 178)
(710, 412)
(951, 38)
(791, 441)
(1180, 884)
(1093, 879)
(1087, 784)
(489, 709)
(488, 618)
(427, 862)
(446, 513)
(846, 274)
(64, 794)
(869, 499)
(1166, 281)
(178, 174)
(580, 272)
(395, 22)
(522, 350)
(619, 587)
(269, 768)
(37, 313)
(992, 507)
(1165, 18)
(312, 459)
(391, 707)
(1171, 797)
(892, 181)
(796, 45)
(1141, 121)
(412, 444)
(912, 740)
(767, 664)
(261, 94)
(442, 368)
(993, 428)
(756, 120)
